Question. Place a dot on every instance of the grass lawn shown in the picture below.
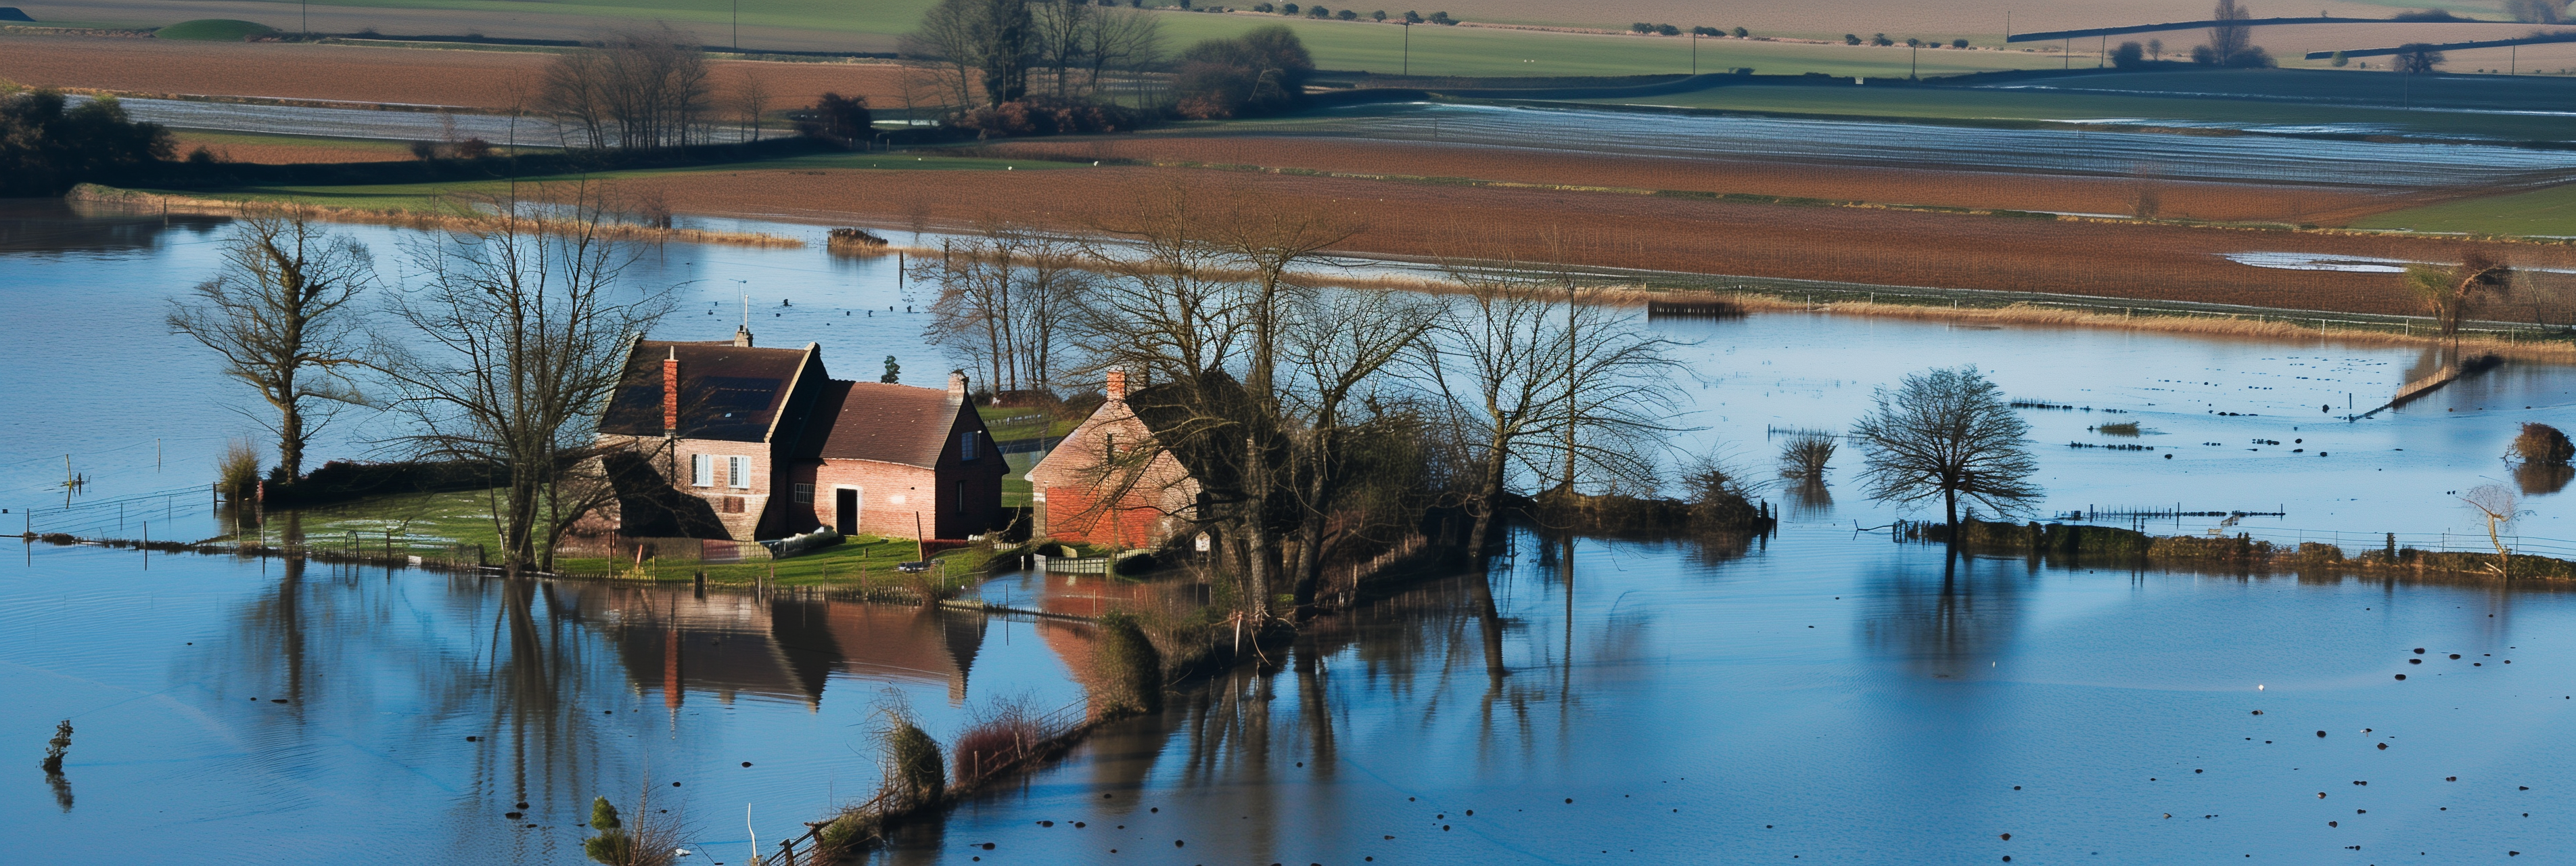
(428, 525)
(430, 196)
(2541, 212)
(1985, 104)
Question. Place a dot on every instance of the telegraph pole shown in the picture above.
(1408, 49)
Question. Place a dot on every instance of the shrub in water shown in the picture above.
(1127, 669)
(2542, 444)
(1804, 456)
(239, 468)
(913, 766)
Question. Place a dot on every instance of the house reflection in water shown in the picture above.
(776, 648)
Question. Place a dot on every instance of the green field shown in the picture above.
(1354, 45)
(2142, 106)
(214, 30)
(433, 196)
(2547, 212)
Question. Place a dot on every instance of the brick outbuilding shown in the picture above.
(1093, 489)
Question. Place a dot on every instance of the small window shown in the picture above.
(961, 498)
(738, 471)
(805, 494)
(966, 445)
(702, 470)
(733, 505)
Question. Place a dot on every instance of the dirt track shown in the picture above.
(476, 79)
(1847, 244)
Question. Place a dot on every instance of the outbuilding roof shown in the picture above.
(883, 422)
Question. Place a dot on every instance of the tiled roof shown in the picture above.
(726, 391)
(883, 422)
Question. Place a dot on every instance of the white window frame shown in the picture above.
(738, 472)
(702, 470)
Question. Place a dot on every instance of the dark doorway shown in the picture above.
(845, 511)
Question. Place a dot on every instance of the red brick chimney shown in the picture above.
(956, 384)
(1117, 387)
(671, 393)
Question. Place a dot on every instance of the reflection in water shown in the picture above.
(1942, 629)
(1810, 500)
(54, 226)
(2542, 479)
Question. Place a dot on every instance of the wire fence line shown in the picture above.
(105, 518)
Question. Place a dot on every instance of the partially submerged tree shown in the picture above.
(1005, 294)
(2542, 444)
(282, 314)
(1546, 392)
(523, 326)
(1946, 434)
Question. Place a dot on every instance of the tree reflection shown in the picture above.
(1943, 629)
(2541, 479)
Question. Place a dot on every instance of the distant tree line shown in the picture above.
(48, 144)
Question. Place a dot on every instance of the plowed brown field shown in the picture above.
(477, 79)
(1980, 190)
(1827, 243)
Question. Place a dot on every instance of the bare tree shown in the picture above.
(280, 314)
(1519, 376)
(1946, 434)
(1345, 427)
(1120, 39)
(2228, 39)
(751, 98)
(986, 43)
(2499, 507)
(1059, 31)
(637, 89)
(523, 329)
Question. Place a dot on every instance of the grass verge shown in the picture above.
(443, 524)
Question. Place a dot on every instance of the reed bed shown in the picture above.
(412, 219)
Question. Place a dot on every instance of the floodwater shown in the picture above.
(402, 125)
(2376, 165)
(1828, 701)
(1823, 695)
(235, 711)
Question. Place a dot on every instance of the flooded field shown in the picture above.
(2239, 158)
(95, 290)
(1825, 701)
(1813, 697)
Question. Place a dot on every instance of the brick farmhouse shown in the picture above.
(727, 440)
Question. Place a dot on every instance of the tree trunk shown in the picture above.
(1485, 503)
(290, 440)
(1950, 507)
